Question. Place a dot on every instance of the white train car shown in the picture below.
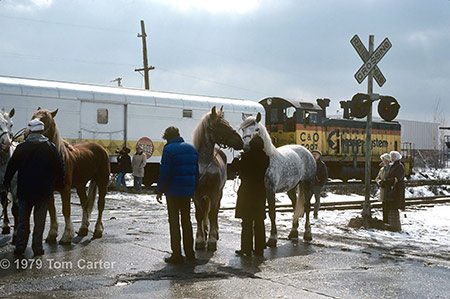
(116, 116)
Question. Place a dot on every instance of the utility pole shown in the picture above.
(146, 68)
(118, 80)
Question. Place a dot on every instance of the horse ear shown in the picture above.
(221, 109)
(258, 117)
(12, 112)
(39, 108)
(54, 113)
(243, 116)
(213, 111)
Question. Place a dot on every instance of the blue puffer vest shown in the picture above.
(178, 172)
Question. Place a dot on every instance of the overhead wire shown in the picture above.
(27, 56)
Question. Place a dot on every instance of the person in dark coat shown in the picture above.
(319, 180)
(40, 169)
(251, 200)
(382, 173)
(178, 180)
(124, 167)
(395, 197)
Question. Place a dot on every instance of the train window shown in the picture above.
(289, 112)
(274, 116)
(102, 116)
(187, 113)
(309, 118)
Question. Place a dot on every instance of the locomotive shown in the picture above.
(341, 140)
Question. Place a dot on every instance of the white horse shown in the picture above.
(6, 151)
(290, 166)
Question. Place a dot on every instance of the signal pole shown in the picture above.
(146, 68)
(366, 212)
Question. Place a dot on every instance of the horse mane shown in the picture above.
(62, 145)
(269, 148)
(199, 133)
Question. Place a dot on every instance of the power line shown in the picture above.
(65, 24)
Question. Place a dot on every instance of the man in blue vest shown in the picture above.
(178, 179)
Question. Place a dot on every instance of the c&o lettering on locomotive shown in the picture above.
(309, 141)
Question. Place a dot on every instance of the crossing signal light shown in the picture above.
(388, 108)
(360, 105)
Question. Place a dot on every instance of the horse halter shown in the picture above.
(248, 135)
(219, 140)
(6, 132)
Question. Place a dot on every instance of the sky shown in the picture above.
(250, 49)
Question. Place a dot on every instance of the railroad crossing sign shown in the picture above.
(370, 63)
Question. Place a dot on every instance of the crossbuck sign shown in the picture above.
(370, 63)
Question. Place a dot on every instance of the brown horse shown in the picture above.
(84, 162)
(212, 129)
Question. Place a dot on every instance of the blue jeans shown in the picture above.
(138, 183)
(40, 206)
(121, 180)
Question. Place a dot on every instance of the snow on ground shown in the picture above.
(425, 230)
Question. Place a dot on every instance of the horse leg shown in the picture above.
(98, 233)
(272, 241)
(293, 235)
(69, 233)
(307, 236)
(53, 232)
(214, 227)
(200, 207)
(5, 228)
(83, 231)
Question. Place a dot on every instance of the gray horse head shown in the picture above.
(252, 125)
(6, 132)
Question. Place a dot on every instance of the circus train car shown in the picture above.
(341, 141)
(116, 116)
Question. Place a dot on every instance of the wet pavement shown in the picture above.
(128, 263)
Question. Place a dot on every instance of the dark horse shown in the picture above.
(6, 151)
(84, 162)
(213, 129)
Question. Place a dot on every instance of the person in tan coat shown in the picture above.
(138, 164)
(384, 169)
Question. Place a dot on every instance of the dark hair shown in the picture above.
(256, 143)
(171, 132)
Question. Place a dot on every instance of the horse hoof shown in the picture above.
(271, 243)
(64, 242)
(83, 232)
(307, 237)
(6, 231)
(51, 240)
(98, 234)
(212, 246)
(200, 245)
(293, 235)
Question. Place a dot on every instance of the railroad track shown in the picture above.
(414, 183)
(357, 204)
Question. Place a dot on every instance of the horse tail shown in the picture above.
(299, 210)
(92, 192)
